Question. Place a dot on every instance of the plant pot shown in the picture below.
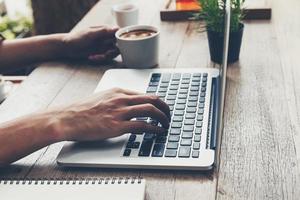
(216, 40)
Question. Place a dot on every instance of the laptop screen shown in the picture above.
(223, 72)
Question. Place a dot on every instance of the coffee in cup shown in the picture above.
(139, 46)
(137, 34)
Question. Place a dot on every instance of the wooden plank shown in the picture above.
(258, 158)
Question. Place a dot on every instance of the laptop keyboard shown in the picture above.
(185, 94)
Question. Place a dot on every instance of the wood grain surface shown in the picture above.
(261, 140)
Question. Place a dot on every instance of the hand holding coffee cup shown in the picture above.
(139, 46)
(125, 14)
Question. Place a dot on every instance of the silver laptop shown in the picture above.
(196, 100)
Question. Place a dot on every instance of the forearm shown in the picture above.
(23, 136)
(21, 52)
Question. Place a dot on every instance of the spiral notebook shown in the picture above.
(108, 189)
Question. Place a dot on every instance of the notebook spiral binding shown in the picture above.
(93, 181)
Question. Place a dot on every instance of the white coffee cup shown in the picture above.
(139, 52)
(5, 87)
(126, 14)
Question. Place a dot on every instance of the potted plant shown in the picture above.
(212, 12)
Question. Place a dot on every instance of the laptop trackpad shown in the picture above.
(91, 151)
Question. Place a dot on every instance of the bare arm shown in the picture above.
(104, 115)
(17, 53)
(95, 44)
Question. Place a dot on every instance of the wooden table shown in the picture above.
(261, 142)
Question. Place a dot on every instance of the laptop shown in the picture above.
(196, 100)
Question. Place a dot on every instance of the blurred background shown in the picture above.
(25, 18)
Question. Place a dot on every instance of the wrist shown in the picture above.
(58, 46)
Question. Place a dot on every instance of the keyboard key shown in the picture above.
(192, 104)
(197, 75)
(170, 102)
(186, 76)
(145, 149)
(180, 107)
(188, 128)
(202, 94)
(202, 100)
(195, 154)
(200, 117)
(203, 89)
(176, 76)
(183, 91)
(176, 125)
(162, 89)
(193, 98)
(155, 77)
(198, 131)
(171, 97)
(184, 152)
(195, 83)
(175, 131)
(153, 83)
(177, 118)
(161, 139)
(166, 78)
(127, 152)
(197, 138)
(196, 145)
(188, 135)
(175, 82)
(199, 124)
(190, 115)
(158, 150)
(194, 88)
(186, 142)
(204, 79)
(201, 105)
(172, 92)
(179, 112)
(173, 87)
(133, 145)
(201, 111)
(196, 79)
(132, 137)
(164, 85)
(182, 96)
(189, 122)
(185, 81)
(174, 138)
(181, 101)
(184, 86)
(205, 75)
(151, 89)
(172, 145)
(170, 153)
(203, 84)
(194, 93)
(191, 110)
(161, 94)
(149, 136)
